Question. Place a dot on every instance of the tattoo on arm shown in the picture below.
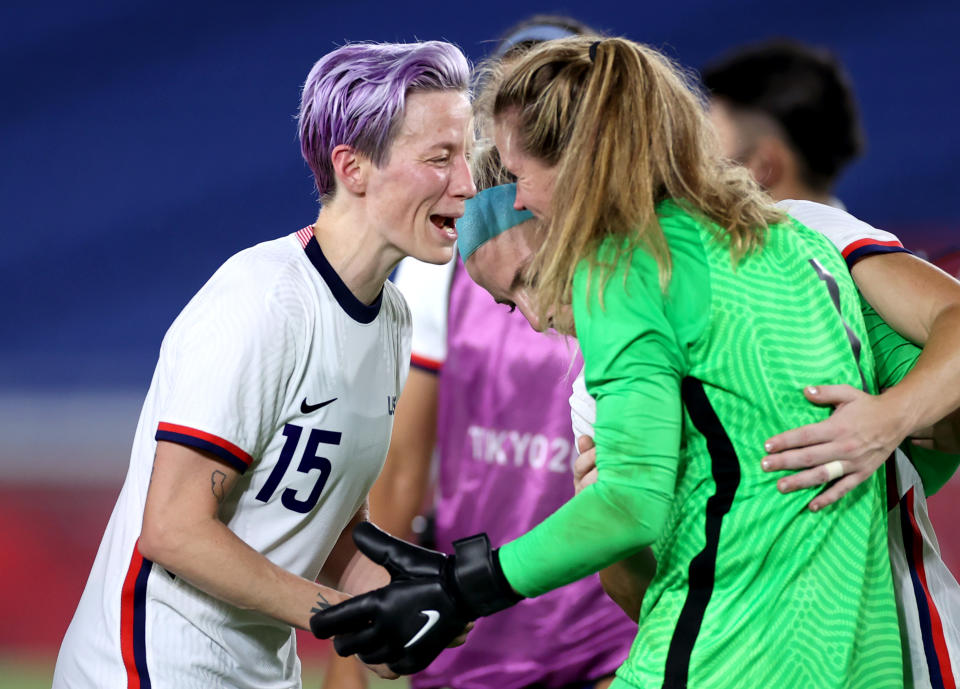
(216, 484)
(322, 604)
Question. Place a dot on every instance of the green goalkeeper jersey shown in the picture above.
(752, 589)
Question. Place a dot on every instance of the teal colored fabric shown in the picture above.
(488, 214)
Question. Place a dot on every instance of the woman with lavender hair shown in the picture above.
(271, 407)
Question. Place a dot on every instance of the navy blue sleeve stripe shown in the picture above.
(201, 444)
(872, 249)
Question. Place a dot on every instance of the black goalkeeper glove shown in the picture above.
(428, 603)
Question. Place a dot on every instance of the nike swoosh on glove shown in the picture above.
(429, 602)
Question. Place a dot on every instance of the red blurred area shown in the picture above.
(49, 535)
(950, 262)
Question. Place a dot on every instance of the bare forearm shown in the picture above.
(626, 581)
(397, 497)
(212, 558)
(921, 303)
(931, 390)
(361, 575)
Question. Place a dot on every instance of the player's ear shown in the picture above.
(350, 168)
(769, 161)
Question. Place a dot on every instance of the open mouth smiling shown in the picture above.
(446, 224)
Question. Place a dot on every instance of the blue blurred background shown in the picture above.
(143, 143)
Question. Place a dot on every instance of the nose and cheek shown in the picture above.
(527, 200)
(461, 181)
(547, 320)
(532, 319)
(526, 305)
(519, 201)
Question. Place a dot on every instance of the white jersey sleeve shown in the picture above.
(233, 325)
(853, 238)
(426, 288)
(583, 408)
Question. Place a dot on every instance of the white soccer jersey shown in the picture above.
(854, 238)
(275, 367)
(928, 595)
(426, 288)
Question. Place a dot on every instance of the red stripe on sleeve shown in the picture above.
(126, 618)
(210, 438)
(939, 642)
(850, 248)
(425, 362)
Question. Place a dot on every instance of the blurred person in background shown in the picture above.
(787, 111)
(271, 407)
(489, 397)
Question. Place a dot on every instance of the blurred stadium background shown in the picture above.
(142, 143)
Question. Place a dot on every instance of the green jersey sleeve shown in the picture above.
(895, 356)
(634, 366)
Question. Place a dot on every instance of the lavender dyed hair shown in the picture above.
(356, 96)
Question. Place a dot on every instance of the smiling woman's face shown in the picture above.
(417, 194)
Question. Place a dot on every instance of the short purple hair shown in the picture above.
(356, 96)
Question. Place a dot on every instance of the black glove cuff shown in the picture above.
(482, 587)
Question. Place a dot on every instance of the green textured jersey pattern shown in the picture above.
(752, 589)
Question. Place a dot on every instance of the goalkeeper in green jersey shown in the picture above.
(701, 310)
(787, 111)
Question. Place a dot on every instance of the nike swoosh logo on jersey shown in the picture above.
(310, 408)
(432, 617)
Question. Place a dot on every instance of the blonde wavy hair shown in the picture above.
(627, 130)
(485, 163)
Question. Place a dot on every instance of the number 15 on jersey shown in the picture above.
(309, 461)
